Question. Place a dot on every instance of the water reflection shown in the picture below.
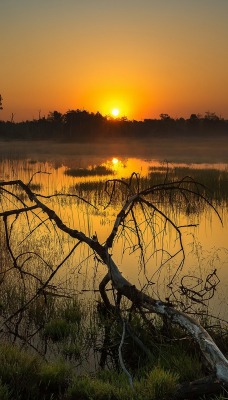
(206, 244)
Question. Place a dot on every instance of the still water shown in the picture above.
(205, 243)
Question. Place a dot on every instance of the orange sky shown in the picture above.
(144, 57)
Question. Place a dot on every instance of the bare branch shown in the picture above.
(139, 300)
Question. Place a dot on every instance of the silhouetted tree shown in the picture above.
(1, 102)
(194, 121)
(81, 125)
(193, 117)
(165, 117)
(55, 116)
(211, 116)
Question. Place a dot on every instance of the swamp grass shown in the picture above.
(51, 351)
(27, 377)
(215, 181)
(211, 183)
(25, 374)
(99, 170)
(64, 338)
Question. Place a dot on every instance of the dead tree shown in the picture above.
(146, 199)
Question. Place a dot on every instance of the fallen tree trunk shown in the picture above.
(210, 351)
(205, 386)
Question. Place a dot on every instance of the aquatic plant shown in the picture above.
(121, 299)
(99, 170)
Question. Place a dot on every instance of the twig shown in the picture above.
(121, 358)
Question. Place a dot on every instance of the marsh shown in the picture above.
(84, 169)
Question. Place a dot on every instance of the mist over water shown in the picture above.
(191, 150)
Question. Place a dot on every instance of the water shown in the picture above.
(205, 244)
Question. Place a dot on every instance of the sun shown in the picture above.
(115, 112)
(115, 161)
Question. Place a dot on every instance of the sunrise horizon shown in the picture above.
(116, 113)
(111, 116)
(143, 59)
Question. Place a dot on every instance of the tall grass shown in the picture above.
(27, 377)
(69, 336)
(99, 170)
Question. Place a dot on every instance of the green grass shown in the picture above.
(158, 384)
(5, 392)
(72, 311)
(87, 388)
(57, 330)
(19, 371)
(25, 376)
(72, 351)
(65, 322)
(54, 377)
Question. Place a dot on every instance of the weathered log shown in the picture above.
(200, 387)
(210, 351)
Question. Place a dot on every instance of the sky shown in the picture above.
(143, 57)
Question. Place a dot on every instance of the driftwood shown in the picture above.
(214, 358)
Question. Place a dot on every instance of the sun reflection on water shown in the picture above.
(123, 168)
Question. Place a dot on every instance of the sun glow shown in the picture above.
(115, 161)
(115, 112)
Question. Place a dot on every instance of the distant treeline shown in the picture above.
(82, 126)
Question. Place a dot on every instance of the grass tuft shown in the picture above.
(19, 371)
(99, 170)
(57, 330)
(55, 377)
(5, 392)
(159, 384)
(86, 388)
